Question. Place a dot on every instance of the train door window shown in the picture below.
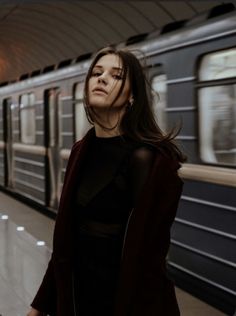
(6, 155)
(217, 107)
(27, 118)
(2, 105)
(53, 107)
(7, 125)
(159, 86)
(52, 97)
(81, 123)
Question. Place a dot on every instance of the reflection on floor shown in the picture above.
(23, 260)
(25, 243)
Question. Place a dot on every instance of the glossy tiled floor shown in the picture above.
(22, 263)
(25, 243)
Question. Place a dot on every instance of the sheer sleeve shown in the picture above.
(140, 166)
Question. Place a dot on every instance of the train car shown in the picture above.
(193, 70)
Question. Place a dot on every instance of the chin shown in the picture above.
(99, 105)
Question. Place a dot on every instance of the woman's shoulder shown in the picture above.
(143, 153)
(147, 154)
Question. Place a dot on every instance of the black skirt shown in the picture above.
(97, 269)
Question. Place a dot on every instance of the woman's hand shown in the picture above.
(35, 312)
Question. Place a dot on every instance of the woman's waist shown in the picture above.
(107, 214)
(101, 229)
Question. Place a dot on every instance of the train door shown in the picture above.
(53, 168)
(7, 128)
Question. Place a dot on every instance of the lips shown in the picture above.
(99, 90)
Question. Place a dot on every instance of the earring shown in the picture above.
(131, 101)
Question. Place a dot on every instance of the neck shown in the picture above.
(109, 121)
(100, 132)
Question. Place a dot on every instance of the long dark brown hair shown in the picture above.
(138, 121)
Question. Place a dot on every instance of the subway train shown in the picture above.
(192, 66)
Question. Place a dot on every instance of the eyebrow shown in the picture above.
(114, 68)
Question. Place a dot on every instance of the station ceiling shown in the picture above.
(36, 34)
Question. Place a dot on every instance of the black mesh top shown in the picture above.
(114, 173)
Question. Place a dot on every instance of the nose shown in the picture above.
(102, 78)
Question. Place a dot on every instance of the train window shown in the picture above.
(217, 108)
(81, 123)
(159, 86)
(27, 119)
(218, 65)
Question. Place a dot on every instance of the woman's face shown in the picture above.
(105, 82)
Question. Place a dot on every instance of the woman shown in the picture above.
(118, 202)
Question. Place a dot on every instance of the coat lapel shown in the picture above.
(74, 166)
(63, 247)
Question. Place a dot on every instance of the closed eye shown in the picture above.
(96, 74)
(117, 77)
(99, 73)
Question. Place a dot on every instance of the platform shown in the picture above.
(25, 248)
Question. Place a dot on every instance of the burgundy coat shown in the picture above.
(144, 288)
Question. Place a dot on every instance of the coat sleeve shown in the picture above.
(46, 297)
(155, 293)
(144, 288)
